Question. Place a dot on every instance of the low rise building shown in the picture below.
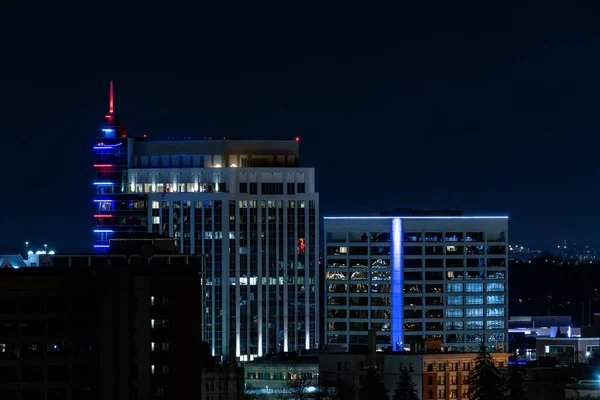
(285, 374)
(585, 389)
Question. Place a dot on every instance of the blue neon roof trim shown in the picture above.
(103, 231)
(99, 201)
(101, 246)
(103, 183)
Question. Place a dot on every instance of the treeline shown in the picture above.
(548, 286)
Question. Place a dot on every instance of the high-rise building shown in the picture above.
(417, 277)
(246, 205)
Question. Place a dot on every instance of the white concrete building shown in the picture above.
(414, 277)
(245, 204)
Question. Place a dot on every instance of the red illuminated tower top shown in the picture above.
(111, 106)
(113, 126)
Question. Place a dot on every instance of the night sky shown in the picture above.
(492, 108)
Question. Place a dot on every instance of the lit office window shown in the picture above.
(495, 287)
(471, 300)
(474, 312)
(454, 288)
(497, 299)
(454, 300)
(474, 287)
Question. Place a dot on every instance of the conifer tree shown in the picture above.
(516, 383)
(486, 382)
(405, 388)
(373, 387)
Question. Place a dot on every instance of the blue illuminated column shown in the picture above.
(397, 298)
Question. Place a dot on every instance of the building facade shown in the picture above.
(443, 375)
(417, 277)
(245, 205)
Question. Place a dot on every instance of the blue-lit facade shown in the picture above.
(115, 209)
(412, 278)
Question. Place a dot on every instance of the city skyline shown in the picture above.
(452, 110)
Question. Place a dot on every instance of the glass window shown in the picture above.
(412, 237)
(495, 312)
(156, 220)
(495, 287)
(495, 324)
(454, 325)
(475, 325)
(454, 313)
(474, 312)
(497, 299)
(433, 236)
(155, 205)
(454, 300)
(474, 300)
(413, 250)
(474, 287)
(454, 287)
(454, 237)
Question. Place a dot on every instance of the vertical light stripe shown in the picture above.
(397, 297)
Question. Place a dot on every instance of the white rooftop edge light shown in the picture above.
(424, 217)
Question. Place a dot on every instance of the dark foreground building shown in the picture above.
(107, 327)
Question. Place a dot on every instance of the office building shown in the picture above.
(245, 205)
(108, 327)
(413, 277)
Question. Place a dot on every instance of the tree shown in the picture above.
(372, 387)
(405, 388)
(299, 389)
(516, 383)
(486, 382)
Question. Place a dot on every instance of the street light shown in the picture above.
(45, 247)
(26, 247)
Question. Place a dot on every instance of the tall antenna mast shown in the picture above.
(111, 107)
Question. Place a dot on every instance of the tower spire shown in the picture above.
(111, 108)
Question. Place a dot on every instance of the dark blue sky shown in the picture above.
(491, 107)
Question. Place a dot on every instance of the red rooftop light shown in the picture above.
(297, 138)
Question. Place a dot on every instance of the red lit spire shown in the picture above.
(111, 108)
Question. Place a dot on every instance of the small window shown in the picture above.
(243, 187)
(301, 188)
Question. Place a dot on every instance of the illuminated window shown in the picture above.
(454, 313)
(475, 325)
(454, 300)
(474, 300)
(495, 287)
(474, 312)
(498, 299)
(474, 287)
(495, 312)
(156, 220)
(495, 324)
(454, 287)
(155, 205)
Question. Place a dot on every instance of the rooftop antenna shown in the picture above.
(111, 107)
